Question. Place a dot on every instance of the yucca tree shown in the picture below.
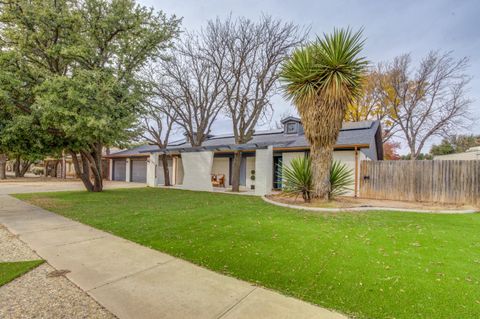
(322, 78)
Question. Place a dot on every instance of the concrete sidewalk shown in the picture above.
(133, 281)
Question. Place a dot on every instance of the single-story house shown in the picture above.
(209, 167)
(472, 154)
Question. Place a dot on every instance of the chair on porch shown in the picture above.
(218, 180)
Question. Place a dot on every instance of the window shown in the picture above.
(291, 128)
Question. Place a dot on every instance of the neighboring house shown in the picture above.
(263, 157)
(472, 153)
(63, 167)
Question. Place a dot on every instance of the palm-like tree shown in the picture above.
(321, 79)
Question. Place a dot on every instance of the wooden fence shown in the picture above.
(430, 181)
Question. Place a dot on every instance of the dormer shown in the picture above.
(292, 126)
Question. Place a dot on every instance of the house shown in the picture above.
(472, 153)
(262, 158)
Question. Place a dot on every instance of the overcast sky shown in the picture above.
(391, 28)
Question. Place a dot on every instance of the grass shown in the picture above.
(368, 265)
(11, 270)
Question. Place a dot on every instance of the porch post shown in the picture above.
(197, 170)
(152, 163)
(110, 169)
(264, 171)
(127, 170)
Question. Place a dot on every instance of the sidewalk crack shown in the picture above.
(130, 275)
(235, 304)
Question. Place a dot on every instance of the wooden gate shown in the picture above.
(455, 182)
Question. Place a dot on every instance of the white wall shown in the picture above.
(348, 158)
(110, 169)
(250, 165)
(197, 168)
(473, 155)
(178, 169)
(287, 157)
(221, 165)
(264, 171)
(127, 170)
(152, 163)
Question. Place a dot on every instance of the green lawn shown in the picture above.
(12, 270)
(370, 265)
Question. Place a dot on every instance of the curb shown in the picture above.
(373, 208)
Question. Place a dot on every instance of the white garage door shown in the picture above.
(119, 167)
(139, 171)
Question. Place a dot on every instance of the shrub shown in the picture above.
(37, 170)
(297, 178)
(341, 177)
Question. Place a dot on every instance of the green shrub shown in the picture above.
(341, 177)
(297, 178)
(37, 170)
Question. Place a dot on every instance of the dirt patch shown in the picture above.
(48, 203)
(351, 202)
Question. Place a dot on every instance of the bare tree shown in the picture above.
(191, 86)
(158, 122)
(247, 56)
(429, 101)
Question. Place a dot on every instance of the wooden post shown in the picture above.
(64, 163)
(356, 171)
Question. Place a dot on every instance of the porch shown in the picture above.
(211, 170)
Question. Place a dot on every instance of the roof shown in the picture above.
(363, 134)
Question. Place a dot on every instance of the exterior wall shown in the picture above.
(127, 170)
(178, 169)
(110, 169)
(264, 171)
(197, 168)
(287, 157)
(152, 163)
(221, 165)
(472, 155)
(348, 158)
(250, 166)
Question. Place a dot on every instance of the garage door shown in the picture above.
(119, 170)
(139, 171)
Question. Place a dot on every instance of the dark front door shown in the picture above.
(277, 172)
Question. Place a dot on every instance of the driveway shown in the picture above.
(36, 185)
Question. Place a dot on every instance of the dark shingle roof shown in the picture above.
(352, 133)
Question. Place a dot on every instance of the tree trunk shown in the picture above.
(93, 158)
(16, 166)
(53, 172)
(321, 164)
(166, 172)
(237, 161)
(25, 167)
(83, 172)
(3, 166)
(45, 172)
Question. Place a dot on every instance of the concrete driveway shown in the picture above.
(36, 185)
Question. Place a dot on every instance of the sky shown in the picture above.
(391, 28)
